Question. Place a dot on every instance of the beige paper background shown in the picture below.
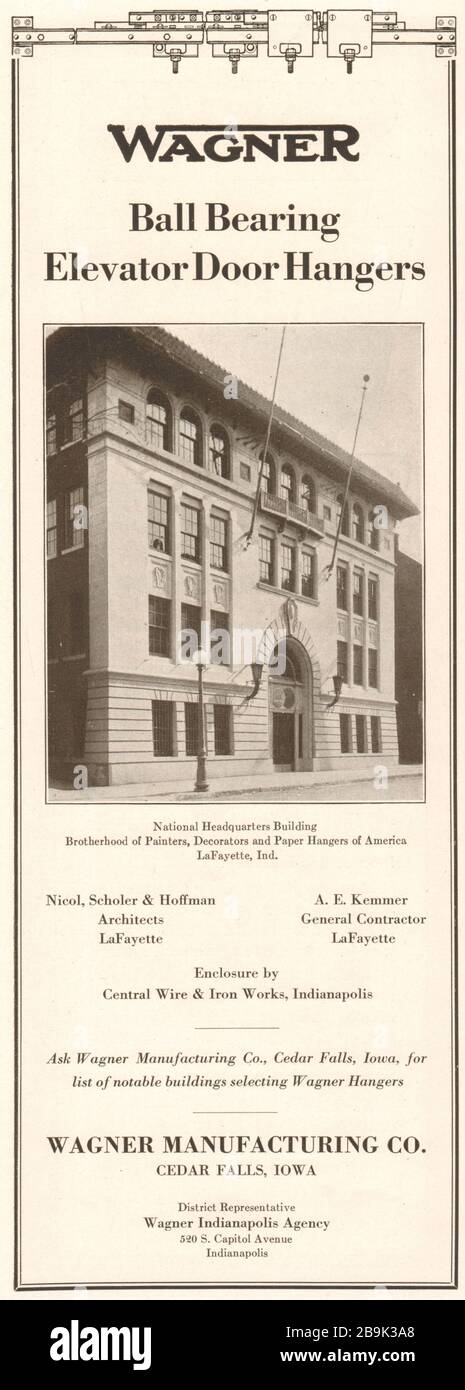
(82, 1219)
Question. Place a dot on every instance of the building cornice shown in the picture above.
(330, 458)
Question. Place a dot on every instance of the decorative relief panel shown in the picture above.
(358, 631)
(160, 578)
(373, 634)
(342, 627)
(286, 698)
(289, 614)
(220, 594)
(282, 698)
(192, 585)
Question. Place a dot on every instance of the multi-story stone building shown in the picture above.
(154, 456)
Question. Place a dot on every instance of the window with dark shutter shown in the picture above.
(222, 721)
(163, 727)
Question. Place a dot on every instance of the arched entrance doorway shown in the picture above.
(291, 707)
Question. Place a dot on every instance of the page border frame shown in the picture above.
(202, 1285)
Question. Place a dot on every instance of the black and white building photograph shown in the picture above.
(234, 562)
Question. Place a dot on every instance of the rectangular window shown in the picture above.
(51, 529)
(360, 727)
(163, 725)
(126, 412)
(357, 598)
(191, 621)
(159, 626)
(358, 664)
(308, 574)
(51, 434)
(266, 560)
(223, 730)
(74, 528)
(245, 472)
(288, 567)
(191, 724)
(158, 521)
(344, 731)
(375, 733)
(220, 654)
(372, 597)
(342, 662)
(373, 667)
(342, 587)
(189, 439)
(327, 512)
(73, 423)
(190, 533)
(218, 542)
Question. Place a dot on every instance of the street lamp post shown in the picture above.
(201, 784)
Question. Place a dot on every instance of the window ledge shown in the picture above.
(287, 593)
(225, 757)
(363, 689)
(346, 613)
(359, 545)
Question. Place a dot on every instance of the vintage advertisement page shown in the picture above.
(234, 337)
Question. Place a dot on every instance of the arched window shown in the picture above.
(218, 452)
(373, 532)
(358, 523)
(308, 494)
(190, 438)
(287, 484)
(158, 416)
(345, 518)
(268, 474)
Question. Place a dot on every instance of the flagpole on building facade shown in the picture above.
(327, 572)
(267, 441)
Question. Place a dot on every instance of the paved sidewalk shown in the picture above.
(273, 787)
(398, 789)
